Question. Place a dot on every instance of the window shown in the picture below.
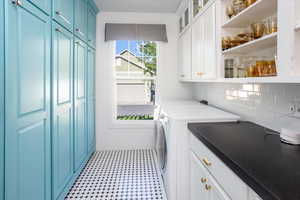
(135, 67)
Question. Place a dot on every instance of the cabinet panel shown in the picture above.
(2, 100)
(81, 19)
(44, 5)
(185, 51)
(27, 103)
(62, 106)
(63, 12)
(91, 125)
(210, 47)
(197, 48)
(204, 45)
(91, 98)
(80, 102)
(91, 26)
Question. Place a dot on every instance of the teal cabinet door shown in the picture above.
(62, 109)
(80, 28)
(63, 12)
(27, 99)
(91, 99)
(44, 5)
(1, 100)
(80, 131)
(91, 26)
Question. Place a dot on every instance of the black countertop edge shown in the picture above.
(263, 192)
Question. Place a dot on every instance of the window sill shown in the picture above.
(133, 124)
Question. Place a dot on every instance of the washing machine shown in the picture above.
(173, 120)
(161, 146)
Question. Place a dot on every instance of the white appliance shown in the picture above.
(177, 115)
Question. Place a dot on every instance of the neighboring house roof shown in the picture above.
(126, 50)
(133, 63)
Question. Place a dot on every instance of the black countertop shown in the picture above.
(270, 167)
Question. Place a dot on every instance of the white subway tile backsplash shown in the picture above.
(265, 104)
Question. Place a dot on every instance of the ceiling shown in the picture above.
(155, 6)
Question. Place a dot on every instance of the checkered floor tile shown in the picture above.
(119, 175)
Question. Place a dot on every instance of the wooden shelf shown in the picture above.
(258, 44)
(261, 9)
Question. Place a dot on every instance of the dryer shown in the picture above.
(176, 117)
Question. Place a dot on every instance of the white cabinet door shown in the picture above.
(215, 190)
(204, 45)
(203, 185)
(198, 179)
(209, 21)
(198, 48)
(184, 46)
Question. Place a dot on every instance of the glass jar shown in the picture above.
(274, 27)
(239, 5)
(229, 68)
(250, 2)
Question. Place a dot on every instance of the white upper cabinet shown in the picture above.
(184, 55)
(197, 40)
(257, 43)
(204, 45)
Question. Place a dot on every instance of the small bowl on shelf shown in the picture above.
(230, 12)
(250, 2)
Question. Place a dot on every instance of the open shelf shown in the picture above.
(256, 12)
(264, 42)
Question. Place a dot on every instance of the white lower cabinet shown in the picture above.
(203, 185)
(211, 179)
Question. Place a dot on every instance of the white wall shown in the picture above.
(264, 104)
(111, 134)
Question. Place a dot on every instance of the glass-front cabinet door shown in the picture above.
(197, 6)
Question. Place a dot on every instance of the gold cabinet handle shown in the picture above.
(206, 162)
(203, 180)
(207, 187)
(200, 73)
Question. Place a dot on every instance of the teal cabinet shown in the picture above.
(63, 13)
(91, 26)
(91, 99)
(27, 98)
(80, 28)
(80, 132)
(44, 5)
(62, 109)
(1, 100)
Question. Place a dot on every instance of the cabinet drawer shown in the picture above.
(231, 183)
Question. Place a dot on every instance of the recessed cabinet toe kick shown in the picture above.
(49, 97)
(239, 161)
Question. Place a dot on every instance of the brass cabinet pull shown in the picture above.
(17, 2)
(200, 73)
(206, 162)
(207, 187)
(203, 180)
